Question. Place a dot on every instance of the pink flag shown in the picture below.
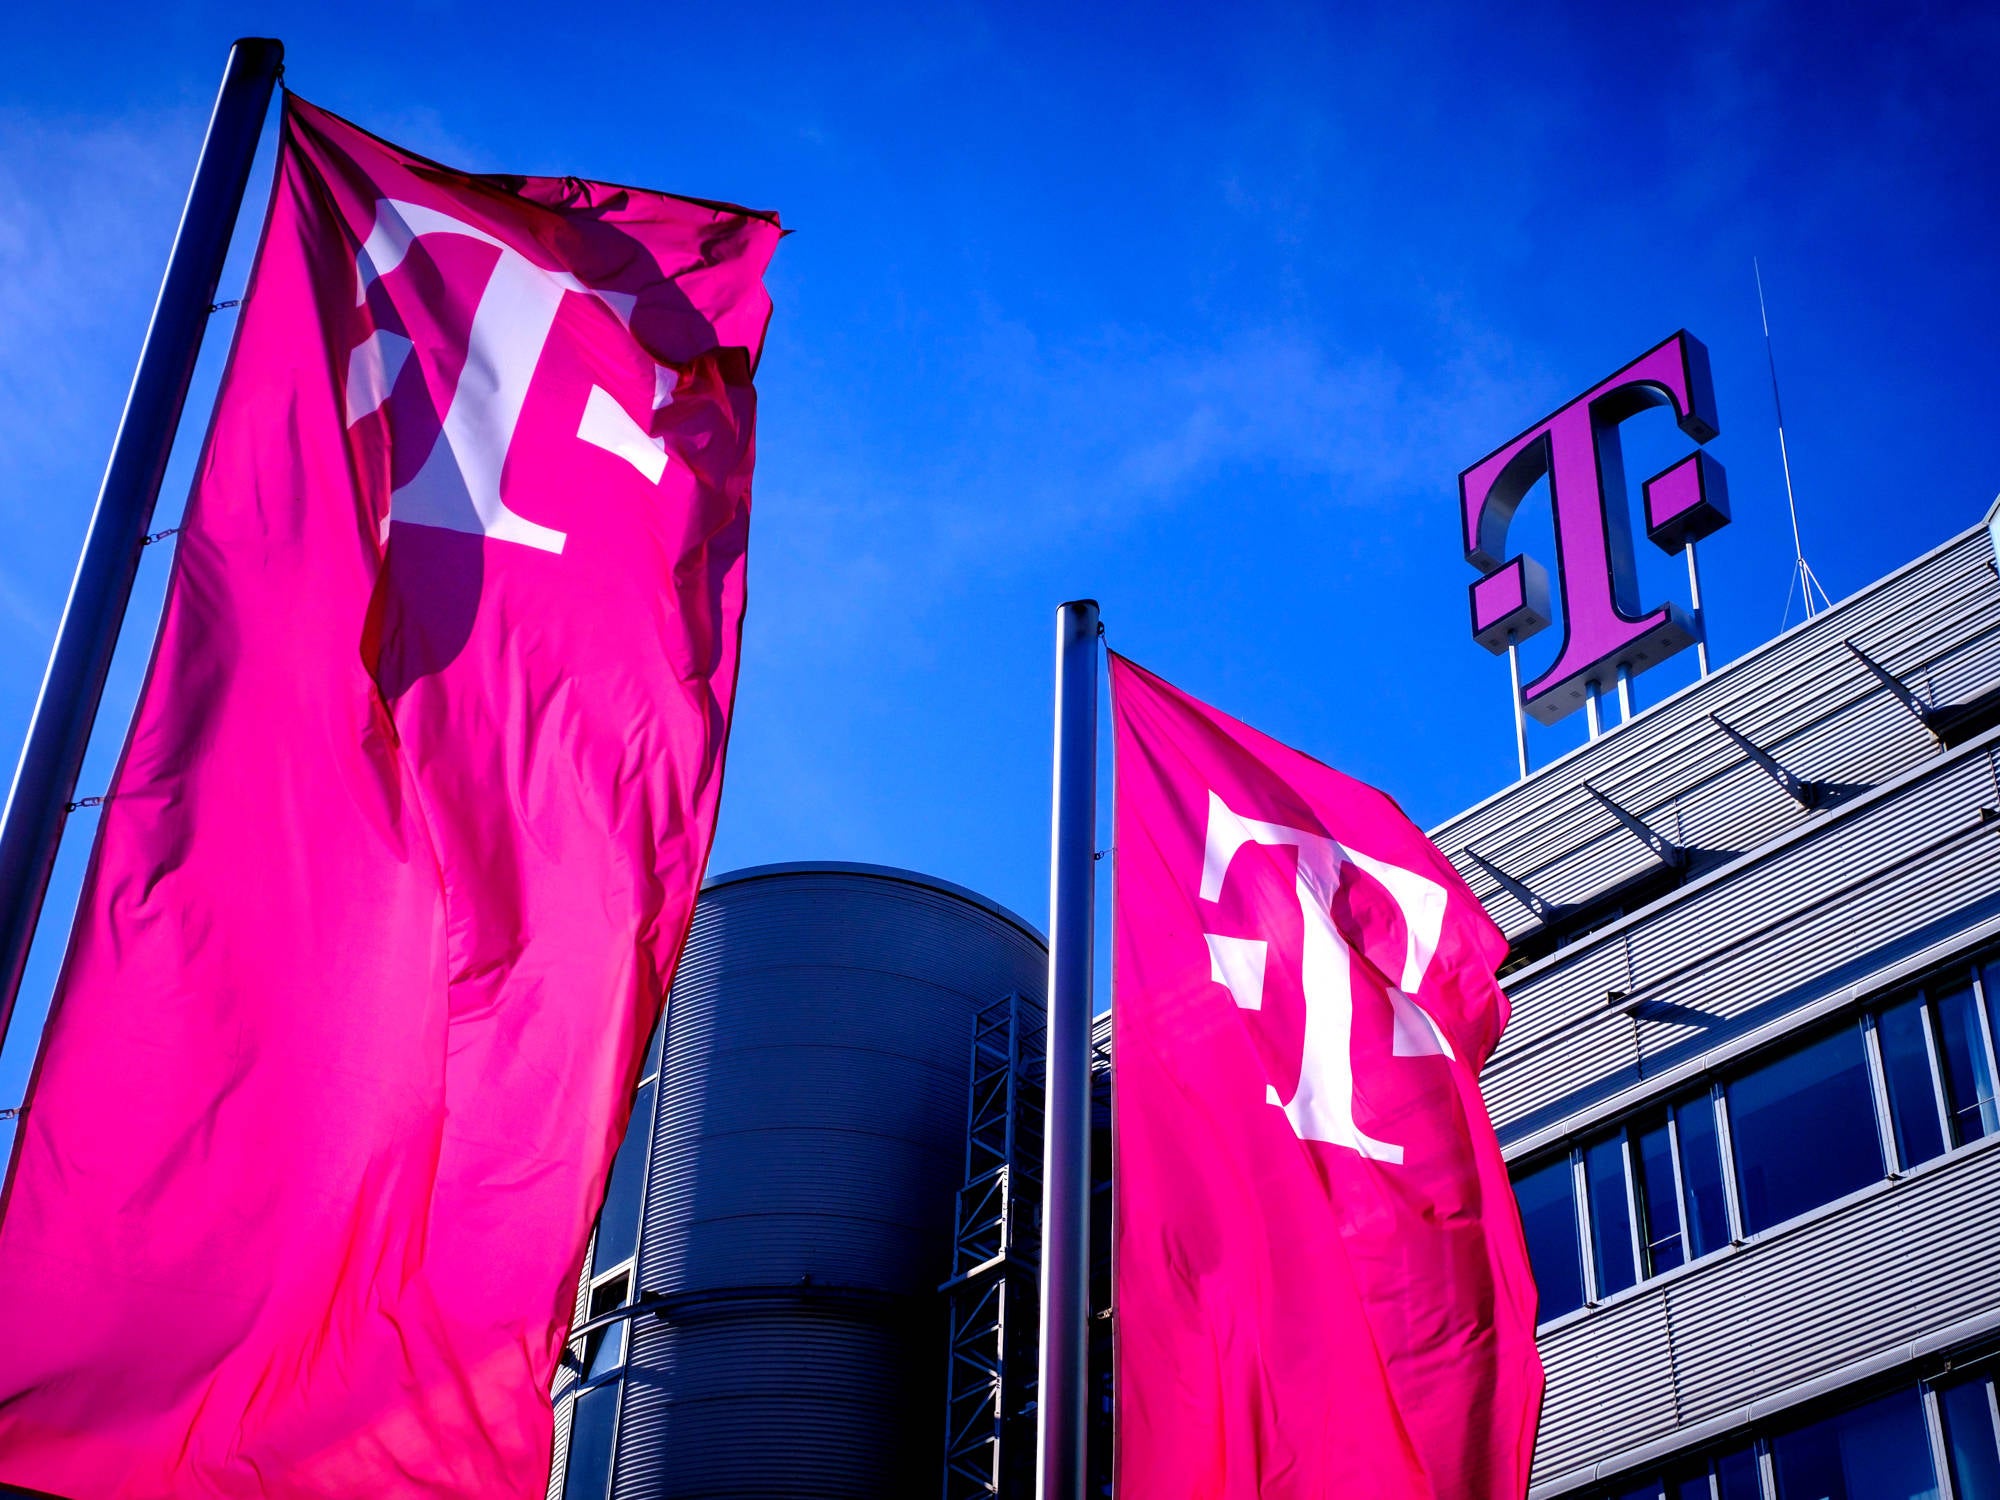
(393, 876)
(1321, 1284)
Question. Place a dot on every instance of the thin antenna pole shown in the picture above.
(1802, 572)
(1520, 718)
(31, 829)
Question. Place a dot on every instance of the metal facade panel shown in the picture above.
(1611, 1372)
(1817, 915)
(1916, 1256)
(808, 1144)
(1804, 698)
(780, 1403)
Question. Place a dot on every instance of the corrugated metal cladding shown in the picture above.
(798, 1208)
(1790, 908)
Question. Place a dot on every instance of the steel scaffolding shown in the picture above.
(996, 1258)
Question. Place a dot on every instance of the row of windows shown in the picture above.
(1896, 1088)
(599, 1356)
(1890, 1448)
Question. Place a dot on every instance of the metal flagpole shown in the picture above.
(31, 828)
(1062, 1395)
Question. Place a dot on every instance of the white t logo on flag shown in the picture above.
(458, 487)
(1322, 1107)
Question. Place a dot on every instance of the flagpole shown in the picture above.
(1062, 1392)
(58, 733)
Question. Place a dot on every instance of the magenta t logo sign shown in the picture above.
(1604, 626)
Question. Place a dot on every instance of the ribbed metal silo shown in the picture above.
(806, 1145)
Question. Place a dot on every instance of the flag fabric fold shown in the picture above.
(1320, 1281)
(395, 869)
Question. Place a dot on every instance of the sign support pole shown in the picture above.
(1062, 1396)
(51, 760)
(1520, 718)
(1700, 618)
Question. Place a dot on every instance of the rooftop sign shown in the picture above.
(1606, 631)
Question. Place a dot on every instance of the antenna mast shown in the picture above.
(1802, 574)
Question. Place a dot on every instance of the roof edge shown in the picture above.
(879, 872)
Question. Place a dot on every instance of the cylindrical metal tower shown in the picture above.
(807, 1135)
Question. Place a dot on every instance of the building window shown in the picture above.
(1966, 1070)
(1886, 1448)
(598, 1356)
(587, 1474)
(1701, 1174)
(1869, 1452)
(1904, 1030)
(1610, 1215)
(1729, 1476)
(618, 1223)
(1658, 1197)
(1548, 1216)
(1803, 1129)
(1970, 1417)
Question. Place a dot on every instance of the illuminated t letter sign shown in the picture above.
(1604, 627)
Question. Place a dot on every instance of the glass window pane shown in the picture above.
(1701, 1175)
(1804, 1130)
(1912, 1099)
(1736, 1476)
(1968, 1084)
(653, 1048)
(1610, 1223)
(587, 1476)
(1647, 1491)
(1659, 1203)
(1548, 1216)
(605, 1348)
(1968, 1437)
(618, 1224)
(1692, 1485)
(1874, 1452)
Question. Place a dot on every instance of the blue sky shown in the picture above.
(1197, 310)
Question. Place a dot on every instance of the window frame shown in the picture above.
(577, 1349)
(1968, 968)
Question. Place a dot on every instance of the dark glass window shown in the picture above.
(653, 1049)
(1648, 1491)
(1803, 1128)
(1912, 1101)
(1874, 1452)
(1659, 1200)
(1610, 1223)
(1969, 1440)
(1989, 982)
(618, 1224)
(1692, 1485)
(1548, 1216)
(604, 1349)
(587, 1476)
(1701, 1174)
(1736, 1476)
(1968, 1082)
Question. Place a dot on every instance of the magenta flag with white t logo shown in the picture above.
(1320, 1281)
(392, 878)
